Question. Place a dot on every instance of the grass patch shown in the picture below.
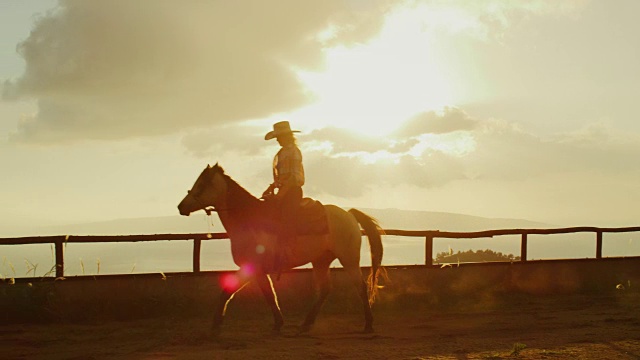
(517, 348)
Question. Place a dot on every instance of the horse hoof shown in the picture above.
(275, 330)
(303, 329)
(368, 329)
(215, 332)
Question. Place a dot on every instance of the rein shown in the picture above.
(211, 209)
(206, 208)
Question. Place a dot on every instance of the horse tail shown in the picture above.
(374, 233)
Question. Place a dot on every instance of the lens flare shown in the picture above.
(233, 281)
(229, 282)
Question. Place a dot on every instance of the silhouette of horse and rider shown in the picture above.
(282, 230)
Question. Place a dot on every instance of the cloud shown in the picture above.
(406, 137)
(353, 164)
(499, 151)
(350, 177)
(126, 69)
(505, 151)
(488, 20)
(120, 69)
(432, 150)
(448, 120)
(343, 140)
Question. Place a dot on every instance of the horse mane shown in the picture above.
(238, 197)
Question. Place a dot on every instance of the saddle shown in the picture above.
(312, 219)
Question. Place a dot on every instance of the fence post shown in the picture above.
(599, 245)
(197, 244)
(59, 257)
(428, 250)
(523, 247)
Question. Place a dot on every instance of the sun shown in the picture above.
(373, 88)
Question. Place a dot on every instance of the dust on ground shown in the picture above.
(567, 327)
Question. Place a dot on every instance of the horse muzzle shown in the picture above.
(183, 209)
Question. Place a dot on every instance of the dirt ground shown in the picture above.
(568, 327)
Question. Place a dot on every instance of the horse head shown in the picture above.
(208, 190)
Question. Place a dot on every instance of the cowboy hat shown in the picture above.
(279, 128)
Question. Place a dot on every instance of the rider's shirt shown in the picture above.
(287, 166)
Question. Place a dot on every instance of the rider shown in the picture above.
(288, 178)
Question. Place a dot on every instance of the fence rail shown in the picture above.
(428, 235)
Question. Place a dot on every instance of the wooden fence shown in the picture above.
(197, 239)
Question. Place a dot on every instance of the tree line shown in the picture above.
(474, 256)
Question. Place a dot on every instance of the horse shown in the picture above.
(254, 245)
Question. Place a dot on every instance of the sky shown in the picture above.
(505, 109)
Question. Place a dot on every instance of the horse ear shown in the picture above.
(218, 167)
(208, 166)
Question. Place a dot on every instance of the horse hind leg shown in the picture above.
(323, 287)
(355, 275)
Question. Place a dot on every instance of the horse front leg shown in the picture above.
(266, 286)
(231, 284)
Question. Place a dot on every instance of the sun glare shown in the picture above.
(373, 88)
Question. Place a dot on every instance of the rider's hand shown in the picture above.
(268, 194)
(282, 190)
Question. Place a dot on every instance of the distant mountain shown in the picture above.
(429, 220)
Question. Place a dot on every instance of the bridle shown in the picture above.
(209, 209)
(205, 207)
